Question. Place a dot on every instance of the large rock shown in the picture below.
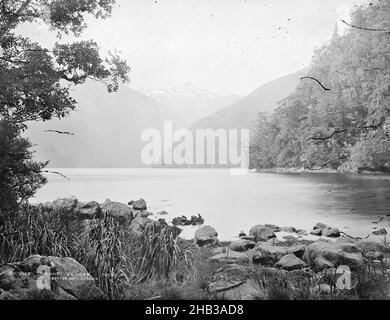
(206, 235)
(89, 210)
(65, 204)
(117, 210)
(273, 227)
(373, 243)
(62, 278)
(162, 213)
(320, 225)
(337, 253)
(316, 232)
(331, 232)
(230, 256)
(242, 245)
(290, 262)
(380, 232)
(322, 229)
(139, 204)
(298, 250)
(262, 233)
(267, 254)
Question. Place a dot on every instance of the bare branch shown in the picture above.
(363, 28)
(316, 80)
(55, 172)
(60, 132)
(320, 167)
(330, 136)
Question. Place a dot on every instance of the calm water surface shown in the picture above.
(232, 203)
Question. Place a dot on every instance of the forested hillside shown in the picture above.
(339, 115)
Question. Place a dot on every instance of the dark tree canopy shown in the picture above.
(347, 126)
(34, 81)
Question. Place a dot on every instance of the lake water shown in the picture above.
(231, 203)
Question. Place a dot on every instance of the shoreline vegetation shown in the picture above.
(321, 170)
(116, 251)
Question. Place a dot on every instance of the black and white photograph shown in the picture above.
(217, 151)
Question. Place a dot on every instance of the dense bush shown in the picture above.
(20, 177)
(347, 123)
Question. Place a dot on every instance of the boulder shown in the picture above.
(380, 232)
(162, 213)
(139, 204)
(230, 256)
(206, 235)
(316, 232)
(373, 243)
(88, 210)
(117, 210)
(65, 204)
(273, 227)
(218, 250)
(251, 238)
(298, 250)
(288, 229)
(262, 233)
(331, 232)
(62, 278)
(324, 230)
(337, 253)
(322, 263)
(267, 254)
(321, 226)
(301, 232)
(242, 234)
(242, 245)
(290, 262)
(145, 213)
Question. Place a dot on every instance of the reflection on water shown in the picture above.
(232, 203)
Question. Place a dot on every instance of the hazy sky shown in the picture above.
(226, 46)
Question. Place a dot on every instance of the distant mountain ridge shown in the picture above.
(242, 114)
(107, 127)
(190, 101)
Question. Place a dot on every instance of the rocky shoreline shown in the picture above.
(290, 255)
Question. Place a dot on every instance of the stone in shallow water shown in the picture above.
(331, 232)
(262, 233)
(139, 204)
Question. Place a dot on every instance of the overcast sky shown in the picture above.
(226, 46)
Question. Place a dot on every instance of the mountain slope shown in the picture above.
(243, 113)
(106, 127)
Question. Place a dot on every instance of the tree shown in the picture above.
(33, 78)
(343, 106)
